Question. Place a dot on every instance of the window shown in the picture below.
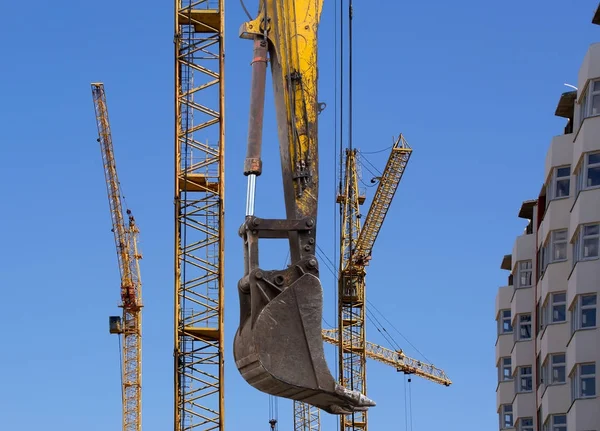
(506, 416)
(556, 423)
(560, 183)
(588, 174)
(584, 312)
(590, 106)
(525, 383)
(559, 307)
(558, 363)
(524, 326)
(584, 381)
(558, 244)
(526, 424)
(505, 369)
(505, 324)
(524, 273)
(586, 243)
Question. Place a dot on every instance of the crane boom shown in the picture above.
(131, 283)
(395, 359)
(388, 184)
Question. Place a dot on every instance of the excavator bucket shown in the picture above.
(278, 347)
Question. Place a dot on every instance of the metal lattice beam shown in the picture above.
(199, 212)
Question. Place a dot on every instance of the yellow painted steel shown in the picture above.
(394, 358)
(199, 215)
(291, 31)
(131, 282)
(351, 296)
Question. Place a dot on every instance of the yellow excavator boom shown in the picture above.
(278, 347)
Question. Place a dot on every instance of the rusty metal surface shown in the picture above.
(253, 163)
(278, 347)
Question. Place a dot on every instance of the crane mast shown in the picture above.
(199, 176)
(355, 254)
(129, 326)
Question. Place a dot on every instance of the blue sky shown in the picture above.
(472, 85)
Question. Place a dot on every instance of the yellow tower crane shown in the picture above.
(199, 215)
(356, 248)
(130, 325)
(355, 254)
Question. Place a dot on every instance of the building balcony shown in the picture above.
(555, 278)
(504, 345)
(524, 405)
(505, 392)
(586, 139)
(503, 298)
(556, 399)
(523, 301)
(560, 153)
(585, 209)
(590, 67)
(556, 216)
(584, 278)
(583, 347)
(555, 337)
(523, 354)
(523, 249)
(584, 415)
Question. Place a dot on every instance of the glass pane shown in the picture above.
(527, 421)
(560, 420)
(593, 158)
(526, 264)
(559, 297)
(590, 247)
(593, 177)
(562, 188)
(563, 172)
(560, 251)
(588, 369)
(588, 318)
(558, 359)
(591, 229)
(559, 235)
(596, 104)
(596, 86)
(558, 374)
(588, 300)
(588, 387)
(559, 313)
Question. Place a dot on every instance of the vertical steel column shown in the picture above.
(199, 213)
(351, 297)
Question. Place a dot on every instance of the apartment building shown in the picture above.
(548, 342)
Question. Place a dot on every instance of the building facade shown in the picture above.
(548, 343)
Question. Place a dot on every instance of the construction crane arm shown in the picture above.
(129, 326)
(125, 238)
(388, 184)
(278, 347)
(394, 358)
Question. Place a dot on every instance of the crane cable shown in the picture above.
(372, 318)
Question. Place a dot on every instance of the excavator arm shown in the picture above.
(278, 347)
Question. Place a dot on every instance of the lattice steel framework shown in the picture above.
(306, 417)
(351, 296)
(199, 213)
(130, 326)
